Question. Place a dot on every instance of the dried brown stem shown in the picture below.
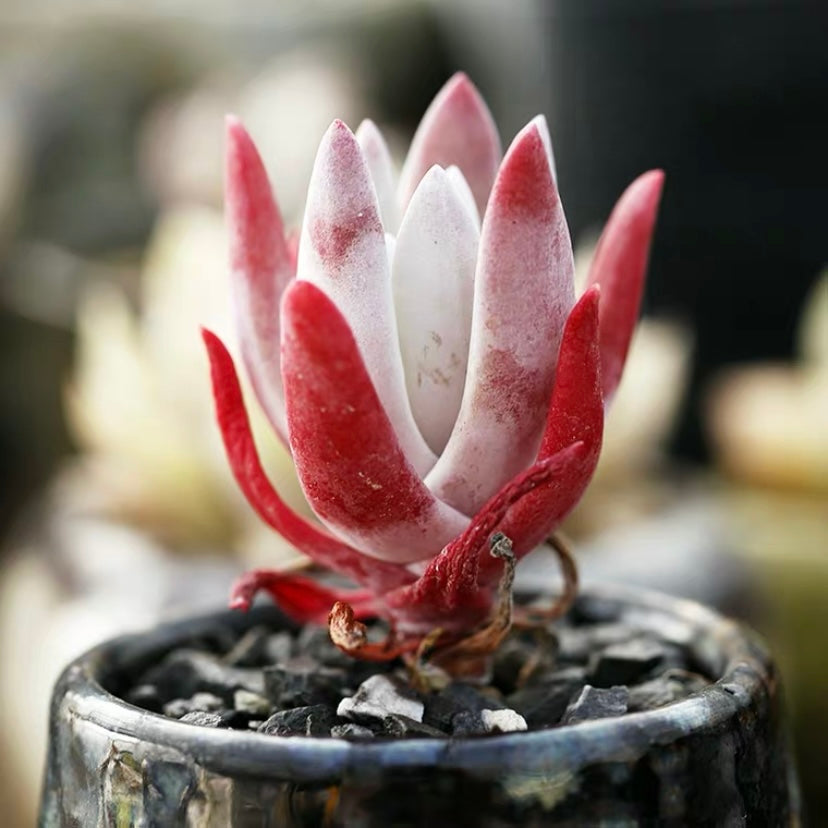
(540, 616)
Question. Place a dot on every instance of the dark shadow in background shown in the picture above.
(730, 99)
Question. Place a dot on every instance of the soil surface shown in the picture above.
(292, 682)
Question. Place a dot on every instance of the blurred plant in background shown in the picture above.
(769, 422)
(136, 398)
(769, 426)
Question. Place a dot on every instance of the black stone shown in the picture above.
(595, 703)
(302, 681)
(205, 702)
(404, 727)
(185, 672)
(626, 663)
(543, 703)
(351, 730)
(457, 697)
(468, 723)
(312, 720)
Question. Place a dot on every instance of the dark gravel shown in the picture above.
(595, 703)
(283, 684)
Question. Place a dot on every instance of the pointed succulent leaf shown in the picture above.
(433, 281)
(303, 599)
(378, 160)
(318, 545)
(461, 187)
(619, 267)
(343, 252)
(352, 468)
(523, 293)
(261, 267)
(456, 129)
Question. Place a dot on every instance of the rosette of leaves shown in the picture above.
(420, 348)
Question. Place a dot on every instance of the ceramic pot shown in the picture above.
(719, 757)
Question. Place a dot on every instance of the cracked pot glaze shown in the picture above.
(719, 757)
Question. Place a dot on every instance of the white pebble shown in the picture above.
(505, 721)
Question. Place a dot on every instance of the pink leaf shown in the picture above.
(449, 594)
(456, 129)
(343, 252)
(523, 293)
(261, 266)
(619, 267)
(303, 599)
(247, 469)
(350, 463)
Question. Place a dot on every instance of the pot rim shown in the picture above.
(729, 649)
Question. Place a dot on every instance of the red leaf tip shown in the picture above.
(459, 85)
(649, 184)
(339, 127)
(213, 343)
(589, 293)
(239, 142)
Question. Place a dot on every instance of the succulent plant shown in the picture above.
(440, 388)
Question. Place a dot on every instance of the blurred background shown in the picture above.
(117, 509)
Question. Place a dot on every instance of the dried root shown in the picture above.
(533, 617)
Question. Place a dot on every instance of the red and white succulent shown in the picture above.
(434, 376)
